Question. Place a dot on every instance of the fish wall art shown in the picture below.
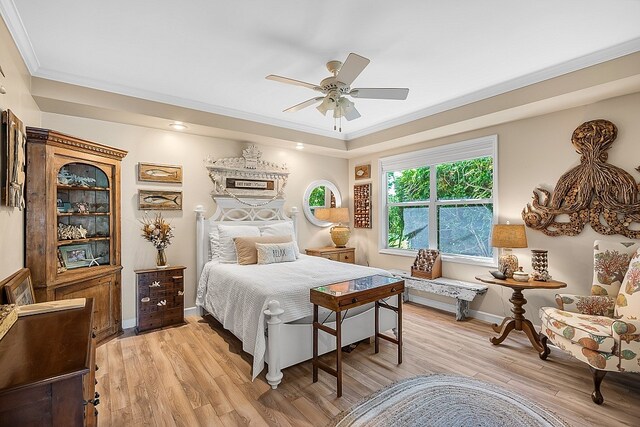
(159, 200)
(152, 172)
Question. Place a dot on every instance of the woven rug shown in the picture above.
(446, 401)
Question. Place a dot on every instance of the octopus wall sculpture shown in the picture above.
(594, 192)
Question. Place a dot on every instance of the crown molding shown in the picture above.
(14, 23)
(557, 70)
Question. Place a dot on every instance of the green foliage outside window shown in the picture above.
(463, 228)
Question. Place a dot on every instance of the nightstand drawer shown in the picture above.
(346, 257)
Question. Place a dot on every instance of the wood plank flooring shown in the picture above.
(197, 375)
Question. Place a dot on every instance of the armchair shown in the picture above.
(601, 329)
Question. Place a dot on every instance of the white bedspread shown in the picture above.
(237, 295)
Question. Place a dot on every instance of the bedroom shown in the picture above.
(534, 124)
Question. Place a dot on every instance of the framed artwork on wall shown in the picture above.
(363, 172)
(153, 172)
(12, 163)
(362, 206)
(159, 200)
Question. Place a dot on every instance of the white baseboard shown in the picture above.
(131, 323)
(480, 315)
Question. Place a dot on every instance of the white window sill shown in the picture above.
(482, 262)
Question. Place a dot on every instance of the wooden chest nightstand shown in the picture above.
(347, 255)
(160, 299)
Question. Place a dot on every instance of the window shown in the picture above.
(441, 198)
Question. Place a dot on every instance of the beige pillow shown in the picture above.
(246, 247)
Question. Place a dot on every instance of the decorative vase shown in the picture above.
(161, 259)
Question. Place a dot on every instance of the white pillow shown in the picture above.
(269, 253)
(227, 248)
(214, 244)
(281, 229)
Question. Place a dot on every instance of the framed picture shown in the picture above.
(153, 172)
(12, 165)
(363, 172)
(159, 200)
(18, 288)
(75, 256)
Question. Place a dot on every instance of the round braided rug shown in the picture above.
(446, 401)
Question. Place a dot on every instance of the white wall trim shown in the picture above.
(557, 70)
(476, 314)
(14, 23)
(131, 323)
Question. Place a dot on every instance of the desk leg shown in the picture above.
(376, 340)
(315, 344)
(399, 329)
(339, 351)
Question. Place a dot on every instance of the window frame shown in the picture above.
(486, 146)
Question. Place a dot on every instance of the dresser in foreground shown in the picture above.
(48, 370)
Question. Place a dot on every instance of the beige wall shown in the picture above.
(169, 147)
(531, 152)
(17, 99)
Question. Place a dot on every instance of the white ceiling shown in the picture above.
(214, 55)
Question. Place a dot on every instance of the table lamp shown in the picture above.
(339, 233)
(506, 237)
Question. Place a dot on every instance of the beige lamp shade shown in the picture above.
(509, 236)
(334, 215)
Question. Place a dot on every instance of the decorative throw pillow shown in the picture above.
(246, 247)
(281, 229)
(610, 263)
(269, 253)
(227, 248)
(214, 244)
(628, 299)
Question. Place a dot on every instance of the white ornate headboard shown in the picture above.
(247, 191)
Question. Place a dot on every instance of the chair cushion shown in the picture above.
(610, 263)
(591, 332)
(599, 360)
(628, 301)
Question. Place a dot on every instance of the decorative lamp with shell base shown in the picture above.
(339, 233)
(506, 237)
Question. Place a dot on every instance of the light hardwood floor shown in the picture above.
(197, 375)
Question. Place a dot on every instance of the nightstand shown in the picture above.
(347, 255)
(160, 298)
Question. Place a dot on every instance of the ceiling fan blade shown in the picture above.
(352, 68)
(305, 104)
(287, 80)
(351, 114)
(380, 93)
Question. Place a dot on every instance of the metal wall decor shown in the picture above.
(362, 206)
(594, 192)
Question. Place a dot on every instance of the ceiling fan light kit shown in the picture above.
(336, 87)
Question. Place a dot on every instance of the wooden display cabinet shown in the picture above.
(73, 223)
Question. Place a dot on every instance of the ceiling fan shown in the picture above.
(335, 89)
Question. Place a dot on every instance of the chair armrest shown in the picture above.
(593, 305)
(626, 330)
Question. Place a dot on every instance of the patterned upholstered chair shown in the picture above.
(602, 329)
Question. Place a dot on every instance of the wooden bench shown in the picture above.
(463, 292)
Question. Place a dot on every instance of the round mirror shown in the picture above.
(320, 194)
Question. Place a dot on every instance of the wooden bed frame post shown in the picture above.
(273, 313)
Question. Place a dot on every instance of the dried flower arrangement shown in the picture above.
(158, 231)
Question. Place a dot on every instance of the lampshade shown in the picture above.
(334, 215)
(509, 236)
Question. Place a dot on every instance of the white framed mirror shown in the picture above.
(319, 195)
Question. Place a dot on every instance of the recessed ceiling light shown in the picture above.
(177, 126)
(299, 146)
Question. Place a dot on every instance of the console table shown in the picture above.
(342, 296)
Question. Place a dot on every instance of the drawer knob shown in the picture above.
(163, 302)
(155, 284)
(93, 334)
(177, 277)
(145, 299)
(354, 300)
(180, 293)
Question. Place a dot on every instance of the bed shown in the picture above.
(267, 306)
